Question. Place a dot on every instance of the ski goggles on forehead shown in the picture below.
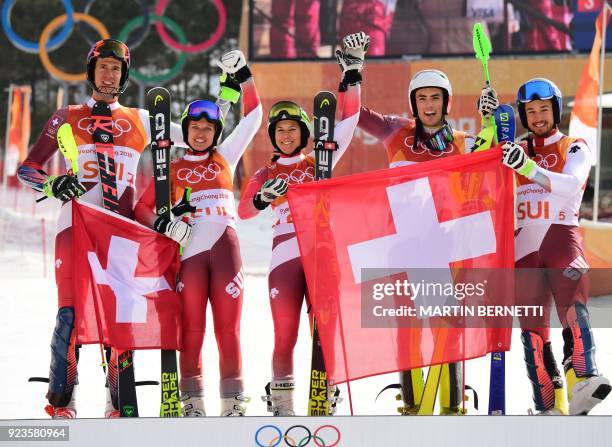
(202, 109)
(285, 110)
(111, 48)
(535, 90)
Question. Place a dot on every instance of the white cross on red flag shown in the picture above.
(414, 223)
(124, 278)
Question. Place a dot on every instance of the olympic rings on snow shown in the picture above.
(33, 47)
(44, 57)
(203, 46)
(275, 438)
(138, 37)
(180, 63)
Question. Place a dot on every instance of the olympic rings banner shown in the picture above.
(325, 435)
(212, 17)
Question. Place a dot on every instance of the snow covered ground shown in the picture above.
(28, 306)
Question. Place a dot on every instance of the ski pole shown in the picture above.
(68, 147)
(482, 49)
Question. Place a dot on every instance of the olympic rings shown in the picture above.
(297, 176)
(180, 63)
(546, 162)
(304, 441)
(199, 173)
(44, 37)
(139, 25)
(333, 427)
(276, 441)
(137, 39)
(33, 47)
(203, 46)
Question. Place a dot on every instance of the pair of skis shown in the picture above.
(158, 101)
(324, 113)
(500, 127)
(504, 128)
(102, 128)
(158, 104)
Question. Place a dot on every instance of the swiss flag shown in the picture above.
(411, 223)
(124, 279)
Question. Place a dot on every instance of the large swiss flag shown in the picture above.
(124, 280)
(444, 219)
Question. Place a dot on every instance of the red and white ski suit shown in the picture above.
(548, 242)
(286, 281)
(211, 266)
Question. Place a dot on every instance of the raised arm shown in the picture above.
(344, 130)
(176, 133)
(236, 143)
(350, 59)
(378, 125)
(235, 68)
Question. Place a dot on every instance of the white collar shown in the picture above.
(194, 157)
(555, 136)
(113, 105)
(286, 161)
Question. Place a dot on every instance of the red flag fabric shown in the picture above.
(416, 223)
(124, 277)
(19, 128)
(583, 120)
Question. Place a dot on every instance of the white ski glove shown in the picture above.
(354, 48)
(232, 61)
(273, 189)
(234, 64)
(177, 230)
(488, 102)
(515, 158)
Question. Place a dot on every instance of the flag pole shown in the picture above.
(8, 128)
(600, 112)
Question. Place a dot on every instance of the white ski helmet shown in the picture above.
(430, 78)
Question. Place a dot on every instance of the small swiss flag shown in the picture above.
(124, 279)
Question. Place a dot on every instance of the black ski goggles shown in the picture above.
(110, 48)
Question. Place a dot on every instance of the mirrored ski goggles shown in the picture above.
(202, 109)
(535, 90)
(439, 140)
(111, 48)
(286, 110)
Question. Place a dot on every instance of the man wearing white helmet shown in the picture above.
(427, 136)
